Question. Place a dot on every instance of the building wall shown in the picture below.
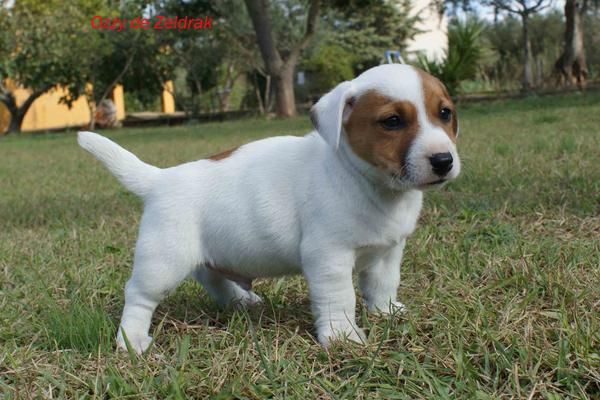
(434, 40)
(4, 118)
(47, 113)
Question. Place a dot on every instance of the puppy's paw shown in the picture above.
(139, 343)
(334, 332)
(393, 307)
(247, 298)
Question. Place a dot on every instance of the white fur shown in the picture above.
(277, 206)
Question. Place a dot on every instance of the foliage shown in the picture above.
(52, 43)
(504, 39)
(372, 26)
(327, 66)
(36, 44)
(209, 63)
(462, 58)
(39, 49)
(500, 64)
(591, 42)
(196, 55)
(138, 59)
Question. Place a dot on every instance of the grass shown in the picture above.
(501, 279)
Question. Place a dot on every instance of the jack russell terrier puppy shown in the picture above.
(343, 198)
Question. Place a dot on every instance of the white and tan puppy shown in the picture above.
(340, 199)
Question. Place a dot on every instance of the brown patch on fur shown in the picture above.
(381, 147)
(437, 97)
(223, 154)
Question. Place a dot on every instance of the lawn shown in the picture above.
(501, 279)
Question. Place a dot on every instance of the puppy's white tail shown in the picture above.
(134, 174)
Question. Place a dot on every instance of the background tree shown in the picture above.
(281, 56)
(572, 65)
(51, 43)
(36, 51)
(524, 9)
(136, 58)
(591, 40)
(197, 57)
(372, 26)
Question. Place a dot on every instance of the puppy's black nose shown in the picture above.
(441, 163)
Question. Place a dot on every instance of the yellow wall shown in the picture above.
(119, 100)
(4, 118)
(47, 113)
(167, 100)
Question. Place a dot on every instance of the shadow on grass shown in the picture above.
(190, 308)
(91, 328)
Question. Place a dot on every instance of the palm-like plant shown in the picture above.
(462, 57)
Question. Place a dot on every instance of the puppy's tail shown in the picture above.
(134, 174)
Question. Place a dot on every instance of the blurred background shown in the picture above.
(274, 58)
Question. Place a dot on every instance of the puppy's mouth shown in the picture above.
(438, 182)
(433, 184)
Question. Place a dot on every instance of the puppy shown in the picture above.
(339, 200)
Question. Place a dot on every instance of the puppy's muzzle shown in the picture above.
(441, 163)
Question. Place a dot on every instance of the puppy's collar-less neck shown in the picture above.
(351, 162)
(366, 175)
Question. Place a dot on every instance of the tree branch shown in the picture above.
(505, 5)
(502, 5)
(311, 24)
(33, 97)
(121, 74)
(538, 6)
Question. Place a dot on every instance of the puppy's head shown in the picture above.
(398, 119)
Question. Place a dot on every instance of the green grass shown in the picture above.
(501, 279)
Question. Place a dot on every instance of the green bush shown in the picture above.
(462, 57)
(329, 65)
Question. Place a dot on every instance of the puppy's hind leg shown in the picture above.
(225, 291)
(159, 267)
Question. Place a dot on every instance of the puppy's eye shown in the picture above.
(393, 123)
(445, 114)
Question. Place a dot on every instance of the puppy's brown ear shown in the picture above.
(331, 111)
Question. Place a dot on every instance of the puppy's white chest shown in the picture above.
(391, 225)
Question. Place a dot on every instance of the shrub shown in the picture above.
(462, 57)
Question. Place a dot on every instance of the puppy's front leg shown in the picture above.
(332, 297)
(379, 280)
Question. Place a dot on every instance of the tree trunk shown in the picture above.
(11, 105)
(92, 110)
(281, 70)
(285, 105)
(527, 74)
(16, 120)
(571, 65)
(225, 93)
(17, 114)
